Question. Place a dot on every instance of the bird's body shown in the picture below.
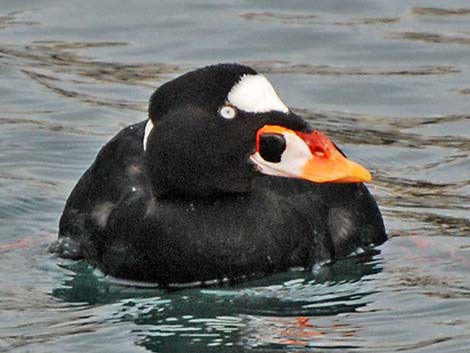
(183, 207)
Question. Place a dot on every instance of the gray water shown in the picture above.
(389, 81)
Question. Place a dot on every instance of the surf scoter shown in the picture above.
(222, 181)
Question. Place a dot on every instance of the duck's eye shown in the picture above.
(227, 112)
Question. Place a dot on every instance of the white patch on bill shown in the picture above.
(292, 162)
(148, 130)
(255, 94)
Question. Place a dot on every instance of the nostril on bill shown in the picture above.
(320, 153)
(271, 147)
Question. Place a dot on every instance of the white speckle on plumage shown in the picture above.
(101, 213)
(134, 170)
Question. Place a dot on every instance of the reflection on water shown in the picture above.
(287, 309)
(388, 81)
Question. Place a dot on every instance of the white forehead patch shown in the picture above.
(148, 130)
(254, 94)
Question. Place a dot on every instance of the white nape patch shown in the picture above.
(148, 130)
(255, 94)
(293, 159)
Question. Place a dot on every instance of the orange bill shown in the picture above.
(310, 156)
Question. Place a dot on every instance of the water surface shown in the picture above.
(388, 81)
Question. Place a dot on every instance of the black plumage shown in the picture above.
(192, 207)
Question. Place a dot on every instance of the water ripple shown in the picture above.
(436, 11)
(437, 38)
(285, 67)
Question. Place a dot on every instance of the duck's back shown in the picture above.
(116, 173)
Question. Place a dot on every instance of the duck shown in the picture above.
(222, 182)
